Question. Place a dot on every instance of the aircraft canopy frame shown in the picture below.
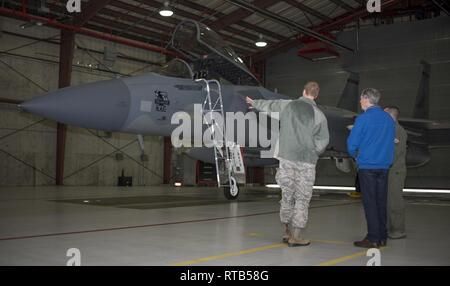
(199, 43)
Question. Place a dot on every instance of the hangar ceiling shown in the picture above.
(241, 26)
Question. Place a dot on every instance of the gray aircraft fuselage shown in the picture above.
(145, 104)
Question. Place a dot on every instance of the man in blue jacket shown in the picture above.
(371, 142)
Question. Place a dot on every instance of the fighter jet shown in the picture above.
(145, 105)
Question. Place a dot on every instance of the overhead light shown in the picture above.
(166, 11)
(324, 58)
(341, 188)
(272, 186)
(431, 191)
(261, 43)
(178, 184)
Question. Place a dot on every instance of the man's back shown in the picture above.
(372, 138)
(303, 131)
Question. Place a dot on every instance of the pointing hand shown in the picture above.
(249, 101)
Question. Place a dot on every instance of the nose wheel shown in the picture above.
(231, 191)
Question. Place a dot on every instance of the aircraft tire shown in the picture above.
(231, 194)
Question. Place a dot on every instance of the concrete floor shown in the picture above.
(196, 226)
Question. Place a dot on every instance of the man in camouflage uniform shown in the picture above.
(396, 181)
(296, 180)
(303, 137)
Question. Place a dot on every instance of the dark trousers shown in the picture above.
(374, 186)
(357, 185)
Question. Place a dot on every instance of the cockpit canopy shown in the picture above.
(207, 49)
(177, 68)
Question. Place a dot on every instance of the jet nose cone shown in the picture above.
(101, 105)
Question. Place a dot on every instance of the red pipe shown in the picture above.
(24, 6)
(80, 30)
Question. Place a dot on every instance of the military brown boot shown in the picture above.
(286, 233)
(365, 243)
(296, 238)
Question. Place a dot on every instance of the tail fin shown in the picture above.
(350, 96)
(421, 108)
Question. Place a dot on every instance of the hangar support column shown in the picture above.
(66, 54)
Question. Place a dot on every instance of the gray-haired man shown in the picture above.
(303, 137)
(371, 142)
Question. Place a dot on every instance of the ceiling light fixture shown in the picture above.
(166, 11)
(261, 43)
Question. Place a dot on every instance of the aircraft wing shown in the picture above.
(430, 132)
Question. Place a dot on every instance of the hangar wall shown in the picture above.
(388, 59)
(89, 159)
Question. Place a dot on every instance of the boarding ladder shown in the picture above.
(227, 154)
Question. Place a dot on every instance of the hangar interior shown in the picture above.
(65, 187)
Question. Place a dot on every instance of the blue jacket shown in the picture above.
(371, 140)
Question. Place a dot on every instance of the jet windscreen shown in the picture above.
(177, 68)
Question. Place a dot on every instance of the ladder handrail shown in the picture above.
(223, 142)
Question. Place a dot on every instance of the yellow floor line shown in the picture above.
(333, 242)
(345, 258)
(230, 254)
(248, 251)
(342, 259)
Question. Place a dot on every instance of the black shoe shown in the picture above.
(365, 243)
(383, 243)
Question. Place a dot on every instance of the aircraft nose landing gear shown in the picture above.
(231, 191)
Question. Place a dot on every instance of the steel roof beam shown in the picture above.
(171, 21)
(88, 32)
(336, 23)
(168, 30)
(289, 23)
(342, 4)
(441, 6)
(240, 14)
(93, 7)
(154, 38)
(218, 14)
(308, 10)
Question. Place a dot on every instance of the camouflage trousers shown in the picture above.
(296, 180)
